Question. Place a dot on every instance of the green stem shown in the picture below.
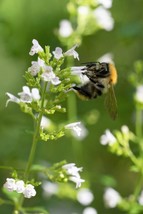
(138, 122)
(138, 187)
(33, 148)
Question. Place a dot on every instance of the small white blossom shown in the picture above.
(75, 127)
(105, 3)
(10, 184)
(45, 122)
(65, 29)
(49, 76)
(85, 196)
(107, 138)
(139, 94)
(58, 53)
(76, 180)
(27, 97)
(72, 52)
(83, 11)
(73, 173)
(89, 210)
(12, 98)
(104, 18)
(29, 191)
(140, 199)
(108, 57)
(49, 188)
(35, 47)
(20, 186)
(125, 129)
(36, 66)
(111, 197)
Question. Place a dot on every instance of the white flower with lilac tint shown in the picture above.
(76, 180)
(85, 196)
(72, 52)
(12, 98)
(29, 191)
(58, 53)
(75, 127)
(20, 186)
(104, 18)
(36, 66)
(111, 197)
(107, 138)
(27, 96)
(49, 188)
(139, 94)
(45, 123)
(65, 29)
(89, 210)
(83, 132)
(73, 173)
(140, 199)
(10, 184)
(105, 3)
(35, 47)
(108, 57)
(49, 76)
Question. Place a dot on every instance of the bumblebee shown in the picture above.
(101, 79)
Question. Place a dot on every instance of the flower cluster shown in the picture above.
(20, 187)
(73, 172)
(26, 96)
(42, 69)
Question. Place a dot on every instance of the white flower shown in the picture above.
(27, 97)
(72, 52)
(139, 94)
(12, 98)
(10, 184)
(73, 173)
(76, 180)
(49, 188)
(58, 53)
(108, 57)
(104, 18)
(140, 199)
(36, 66)
(29, 191)
(107, 138)
(89, 210)
(105, 3)
(75, 127)
(77, 70)
(45, 123)
(20, 186)
(35, 47)
(85, 196)
(125, 129)
(83, 11)
(65, 29)
(49, 76)
(111, 197)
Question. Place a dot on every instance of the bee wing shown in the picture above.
(111, 103)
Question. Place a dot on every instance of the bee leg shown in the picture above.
(83, 92)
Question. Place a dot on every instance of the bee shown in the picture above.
(101, 79)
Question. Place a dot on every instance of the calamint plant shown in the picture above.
(128, 144)
(47, 86)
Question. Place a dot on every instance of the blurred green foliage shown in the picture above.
(20, 22)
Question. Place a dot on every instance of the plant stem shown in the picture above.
(33, 147)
